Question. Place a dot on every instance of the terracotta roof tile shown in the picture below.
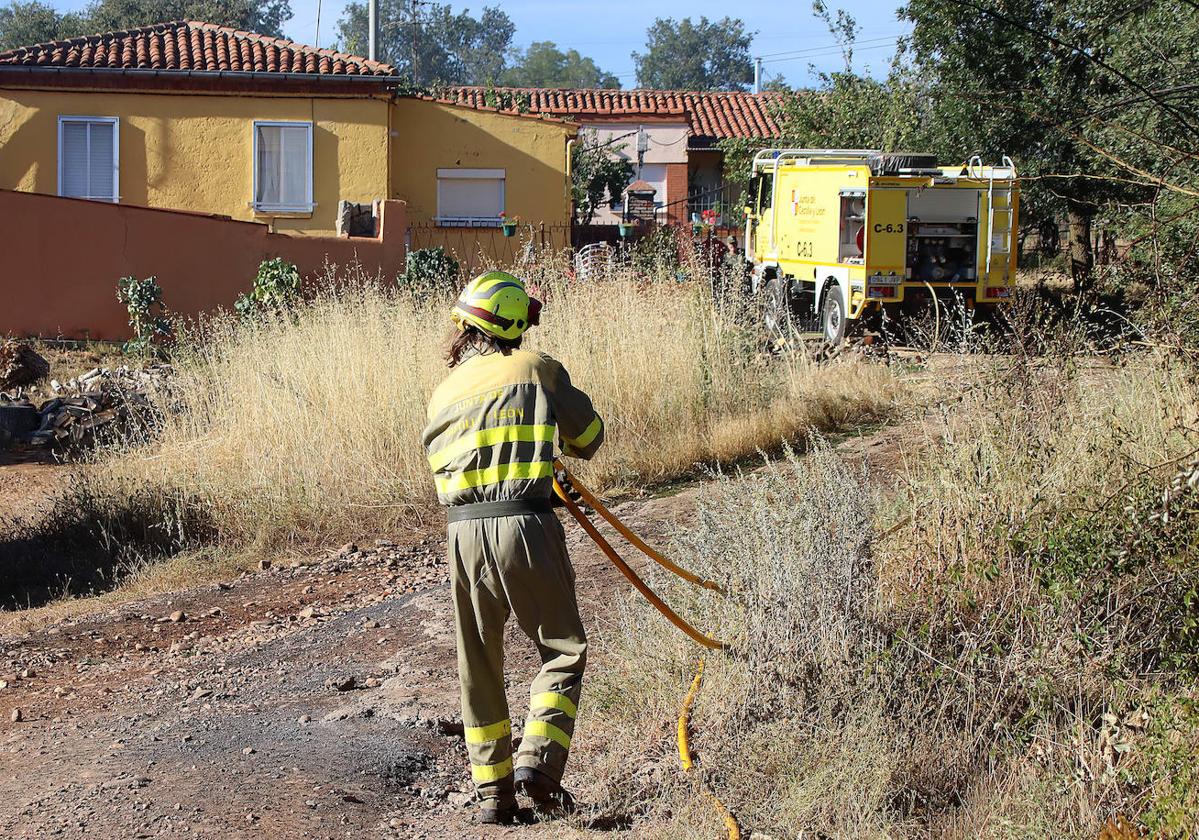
(193, 45)
(718, 115)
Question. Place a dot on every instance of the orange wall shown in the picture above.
(62, 258)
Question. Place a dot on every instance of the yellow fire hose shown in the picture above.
(616, 559)
(648, 551)
(685, 757)
(730, 822)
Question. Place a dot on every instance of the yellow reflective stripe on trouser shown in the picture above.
(491, 732)
(547, 730)
(554, 700)
(494, 475)
(484, 773)
(588, 435)
(489, 437)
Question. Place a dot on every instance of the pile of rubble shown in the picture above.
(102, 402)
(20, 365)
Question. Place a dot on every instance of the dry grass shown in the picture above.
(308, 428)
(970, 675)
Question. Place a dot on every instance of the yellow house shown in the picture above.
(198, 117)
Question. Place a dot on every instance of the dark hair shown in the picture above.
(462, 344)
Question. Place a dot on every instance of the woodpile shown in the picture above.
(101, 405)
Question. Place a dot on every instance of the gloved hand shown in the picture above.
(563, 478)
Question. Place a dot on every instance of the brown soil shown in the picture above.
(225, 724)
(29, 482)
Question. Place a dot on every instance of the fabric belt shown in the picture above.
(485, 510)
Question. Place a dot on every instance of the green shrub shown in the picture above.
(147, 314)
(276, 289)
(1167, 764)
(430, 270)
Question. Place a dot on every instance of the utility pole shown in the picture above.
(373, 25)
(412, 55)
(757, 73)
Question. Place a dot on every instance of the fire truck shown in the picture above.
(838, 237)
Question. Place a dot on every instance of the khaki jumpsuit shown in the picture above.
(490, 442)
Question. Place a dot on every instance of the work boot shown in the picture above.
(550, 799)
(494, 812)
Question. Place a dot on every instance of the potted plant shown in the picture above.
(626, 229)
(508, 223)
(711, 217)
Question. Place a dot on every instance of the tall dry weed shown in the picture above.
(1011, 656)
(307, 425)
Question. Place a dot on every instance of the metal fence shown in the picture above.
(480, 248)
(726, 200)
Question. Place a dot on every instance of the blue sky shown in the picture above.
(609, 31)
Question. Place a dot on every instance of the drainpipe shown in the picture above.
(570, 195)
(757, 73)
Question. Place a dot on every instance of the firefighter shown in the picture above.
(490, 443)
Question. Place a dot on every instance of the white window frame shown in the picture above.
(115, 122)
(309, 205)
(500, 175)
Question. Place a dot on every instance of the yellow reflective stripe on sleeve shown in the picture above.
(554, 700)
(547, 730)
(491, 732)
(489, 437)
(494, 475)
(484, 773)
(589, 434)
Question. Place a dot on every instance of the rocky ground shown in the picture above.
(315, 700)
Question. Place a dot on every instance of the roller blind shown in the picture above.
(88, 158)
(470, 196)
(283, 169)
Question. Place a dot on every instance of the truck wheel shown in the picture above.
(832, 317)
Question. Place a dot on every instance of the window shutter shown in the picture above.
(470, 198)
(74, 158)
(100, 168)
(87, 158)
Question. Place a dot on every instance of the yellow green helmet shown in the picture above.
(496, 303)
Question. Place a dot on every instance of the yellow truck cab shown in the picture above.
(836, 236)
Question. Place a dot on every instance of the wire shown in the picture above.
(839, 46)
(829, 52)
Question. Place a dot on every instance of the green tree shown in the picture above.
(432, 44)
(263, 16)
(596, 175)
(25, 24)
(844, 110)
(708, 55)
(1065, 87)
(543, 65)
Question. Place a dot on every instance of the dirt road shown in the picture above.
(312, 701)
(317, 700)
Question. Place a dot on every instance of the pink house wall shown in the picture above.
(60, 259)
